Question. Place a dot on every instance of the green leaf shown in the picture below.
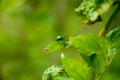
(98, 63)
(93, 50)
(89, 44)
(54, 46)
(76, 70)
(62, 78)
(114, 38)
(54, 71)
(90, 11)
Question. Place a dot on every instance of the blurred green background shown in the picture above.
(28, 26)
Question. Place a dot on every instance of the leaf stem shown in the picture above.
(104, 31)
(108, 24)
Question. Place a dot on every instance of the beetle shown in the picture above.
(59, 38)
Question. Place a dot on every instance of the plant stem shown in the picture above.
(104, 31)
(108, 24)
(93, 77)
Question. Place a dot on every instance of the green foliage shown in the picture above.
(57, 44)
(56, 72)
(26, 26)
(90, 11)
(62, 78)
(76, 70)
(96, 51)
(93, 49)
(54, 46)
(114, 38)
(90, 44)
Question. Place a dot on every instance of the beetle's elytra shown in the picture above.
(59, 38)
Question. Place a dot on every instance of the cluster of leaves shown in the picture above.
(96, 51)
(90, 11)
(55, 72)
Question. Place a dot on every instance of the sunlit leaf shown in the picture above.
(54, 46)
(76, 70)
(54, 71)
(93, 49)
(90, 11)
(89, 44)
